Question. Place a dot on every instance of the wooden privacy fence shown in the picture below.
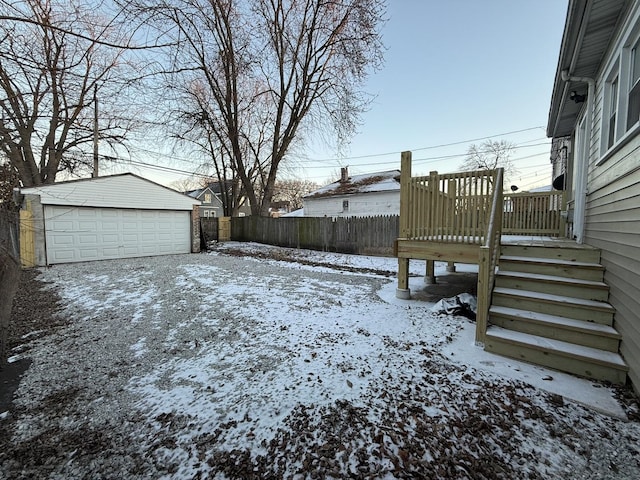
(208, 229)
(215, 229)
(9, 273)
(361, 235)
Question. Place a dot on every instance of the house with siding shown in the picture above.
(364, 195)
(594, 121)
(212, 205)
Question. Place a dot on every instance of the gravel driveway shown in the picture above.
(226, 366)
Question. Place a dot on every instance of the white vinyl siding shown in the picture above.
(78, 234)
(613, 225)
(116, 191)
(356, 205)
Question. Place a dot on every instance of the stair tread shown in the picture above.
(552, 278)
(568, 323)
(570, 349)
(550, 261)
(553, 298)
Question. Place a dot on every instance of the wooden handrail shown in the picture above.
(488, 259)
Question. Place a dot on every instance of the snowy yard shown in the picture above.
(253, 365)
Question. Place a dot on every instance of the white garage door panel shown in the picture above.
(78, 234)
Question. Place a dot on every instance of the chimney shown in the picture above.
(344, 174)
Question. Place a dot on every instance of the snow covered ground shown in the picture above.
(259, 362)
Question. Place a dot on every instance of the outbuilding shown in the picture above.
(102, 218)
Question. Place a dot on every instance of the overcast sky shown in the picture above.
(456, 71)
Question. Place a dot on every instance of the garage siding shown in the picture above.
(78, 234)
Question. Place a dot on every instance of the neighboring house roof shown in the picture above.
(125, 190)
(296, 213)
(200, 193)
(194, 193)
(589, 29)
(367, 183)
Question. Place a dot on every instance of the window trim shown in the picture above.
(633, 87)
(613, 91)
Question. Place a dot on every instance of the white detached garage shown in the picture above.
(102, 218)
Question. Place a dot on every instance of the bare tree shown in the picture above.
(292, 191)
(50, 79)
(490, 155)
(252, 77)
(186, 184)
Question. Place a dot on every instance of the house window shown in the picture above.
(613, 110)
(207, 198)
(206, 213)
(345, 205)
(633, 108)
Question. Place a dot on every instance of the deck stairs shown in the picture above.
(549, 307)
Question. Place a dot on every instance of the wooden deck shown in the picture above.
(542, 241)
(459, 217)
(541, 296)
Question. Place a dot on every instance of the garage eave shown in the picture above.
(115, 191)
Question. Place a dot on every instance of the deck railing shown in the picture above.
(488, 259)
(533, 214)
(451, 208)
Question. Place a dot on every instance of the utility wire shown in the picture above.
(425, 148)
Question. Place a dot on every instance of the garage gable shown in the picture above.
(116, 191)
(119, 216)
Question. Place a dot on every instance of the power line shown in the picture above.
(425, 148)
(439, 158)
(518, 145)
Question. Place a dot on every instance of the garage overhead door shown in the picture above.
(78, 234)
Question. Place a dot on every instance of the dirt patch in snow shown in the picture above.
(287, 256)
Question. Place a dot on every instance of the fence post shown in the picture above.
(224, 229)
(27, 240)
(195, 229)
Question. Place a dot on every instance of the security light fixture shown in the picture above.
(576, 97)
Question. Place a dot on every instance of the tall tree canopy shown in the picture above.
(250, 78)
(54, 62)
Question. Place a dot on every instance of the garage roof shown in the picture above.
(115, 191)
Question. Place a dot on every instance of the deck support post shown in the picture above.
(484, 262)
(430, 274)
(451, 267)
(403, 291)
